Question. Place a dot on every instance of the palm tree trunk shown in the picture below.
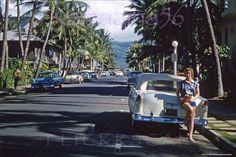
(4, 49)
(64, 55)
(46, 41)
(220, 89)
(29, 36)
(7, 58)
(19, 29)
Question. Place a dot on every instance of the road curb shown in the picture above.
(224, 144)
(12, 92)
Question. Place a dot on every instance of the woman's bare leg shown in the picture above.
(190, 115)
(191, 124)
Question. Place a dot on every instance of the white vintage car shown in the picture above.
(153, 99)
(74, 77)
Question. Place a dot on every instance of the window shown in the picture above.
(161, 85)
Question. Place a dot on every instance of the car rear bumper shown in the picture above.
(170, 120)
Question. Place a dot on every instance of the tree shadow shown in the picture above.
(74, 133)
(109, 91)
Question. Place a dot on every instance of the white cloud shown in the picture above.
(109, 14)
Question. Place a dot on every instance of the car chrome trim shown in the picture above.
(172, 120)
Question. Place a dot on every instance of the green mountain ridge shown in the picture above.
(120, 49)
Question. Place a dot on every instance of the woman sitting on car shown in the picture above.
(187, 92)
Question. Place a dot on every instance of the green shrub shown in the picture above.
(27, 75)
(6, 79)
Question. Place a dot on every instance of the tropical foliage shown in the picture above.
(70, 33)
(186, 21)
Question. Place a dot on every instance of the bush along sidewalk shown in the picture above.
(6, 78)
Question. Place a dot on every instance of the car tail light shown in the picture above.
(205, 103)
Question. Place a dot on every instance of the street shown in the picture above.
(90, 119)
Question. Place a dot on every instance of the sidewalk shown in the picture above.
(221, 129)
(12, 91)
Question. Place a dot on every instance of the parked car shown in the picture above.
(132, 78)
(47, 79)
(86, 75)
(94, 75)
(154, 99)
(119, 73)
(74, 77)
(105, 74)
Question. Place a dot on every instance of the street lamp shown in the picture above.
(174, 56)
(134, 56)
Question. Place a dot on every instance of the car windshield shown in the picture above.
(161, 85)
(45, 75)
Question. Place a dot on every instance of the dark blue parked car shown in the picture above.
(47, 80)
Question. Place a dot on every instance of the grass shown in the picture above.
(223, 132)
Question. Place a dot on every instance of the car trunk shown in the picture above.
(161, 104)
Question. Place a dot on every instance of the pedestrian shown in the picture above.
(16, 76)
(187, 92)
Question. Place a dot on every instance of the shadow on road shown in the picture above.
(68, 133)
(101, 86)
(114, 91)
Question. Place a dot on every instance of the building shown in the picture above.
(36, 44)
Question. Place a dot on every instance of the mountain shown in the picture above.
(120, 49)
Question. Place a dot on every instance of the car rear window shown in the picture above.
(45, 75)
(161, 85)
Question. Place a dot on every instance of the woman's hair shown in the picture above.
(189, 69)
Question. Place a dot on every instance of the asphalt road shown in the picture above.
(90, 119)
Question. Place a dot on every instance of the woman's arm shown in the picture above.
(197, 94)
(178, 95)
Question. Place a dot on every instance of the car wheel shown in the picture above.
(79, 81)
(60, 86)
(134, 124)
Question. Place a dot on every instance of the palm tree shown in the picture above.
(4, 61)
(220, 89)
(37, 5)
(18, 26)
(68, 22)
(52, 8)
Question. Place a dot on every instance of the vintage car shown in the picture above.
(46, 80)
(154, 99)
(86, 75)
(74, 77)
(94, 75)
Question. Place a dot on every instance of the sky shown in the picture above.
(109, 14)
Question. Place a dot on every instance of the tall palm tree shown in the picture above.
(51, 4)
(37, 5)
(4, 61)
(69, 19)
(18, 25)
(220, 89)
